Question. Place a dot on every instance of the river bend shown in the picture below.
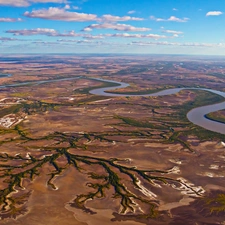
(196, 115)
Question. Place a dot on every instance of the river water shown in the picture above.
(35, 82)
(196, 115)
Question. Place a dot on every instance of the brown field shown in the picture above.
(74, 158)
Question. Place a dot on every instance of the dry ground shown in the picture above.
(82, 159)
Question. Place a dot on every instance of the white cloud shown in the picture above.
(136, 43)
(67, 6)
(172, 32)
(76, 41)
(72, 41)
(3, 39)
(214, 13)
(68, 34)
(188, 44)
(10, 19)
(131, 12)
(170, 19)
(87, 29)
(23, 3)
(119, 27)
(44, 31)
(17, 3)
(45, 43)
(73, 34)
(126, 35)
(174, 9)
(88, 36)
(54, 13)
(48, 1)
(175, 19)
(52, 33)
(110, 18)
(38, 31)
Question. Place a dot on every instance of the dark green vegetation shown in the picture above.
(14, 204)
(217, 116)
(144, 92)
(216, 203)
(37, 107)
(213, 204)
(112, 174)
(202, 98)
(219, 75)
(167, 124)
(136, 123)
(9, 110)
(209, 209)
(103, 85)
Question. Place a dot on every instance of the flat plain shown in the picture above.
(70, 157)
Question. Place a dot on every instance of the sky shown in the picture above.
(195, 27)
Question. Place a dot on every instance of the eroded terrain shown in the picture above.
(69, 157)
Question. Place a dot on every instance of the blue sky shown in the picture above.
(113, 26)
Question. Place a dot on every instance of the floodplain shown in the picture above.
(70, 157)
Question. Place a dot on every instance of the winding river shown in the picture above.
(196, 115)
